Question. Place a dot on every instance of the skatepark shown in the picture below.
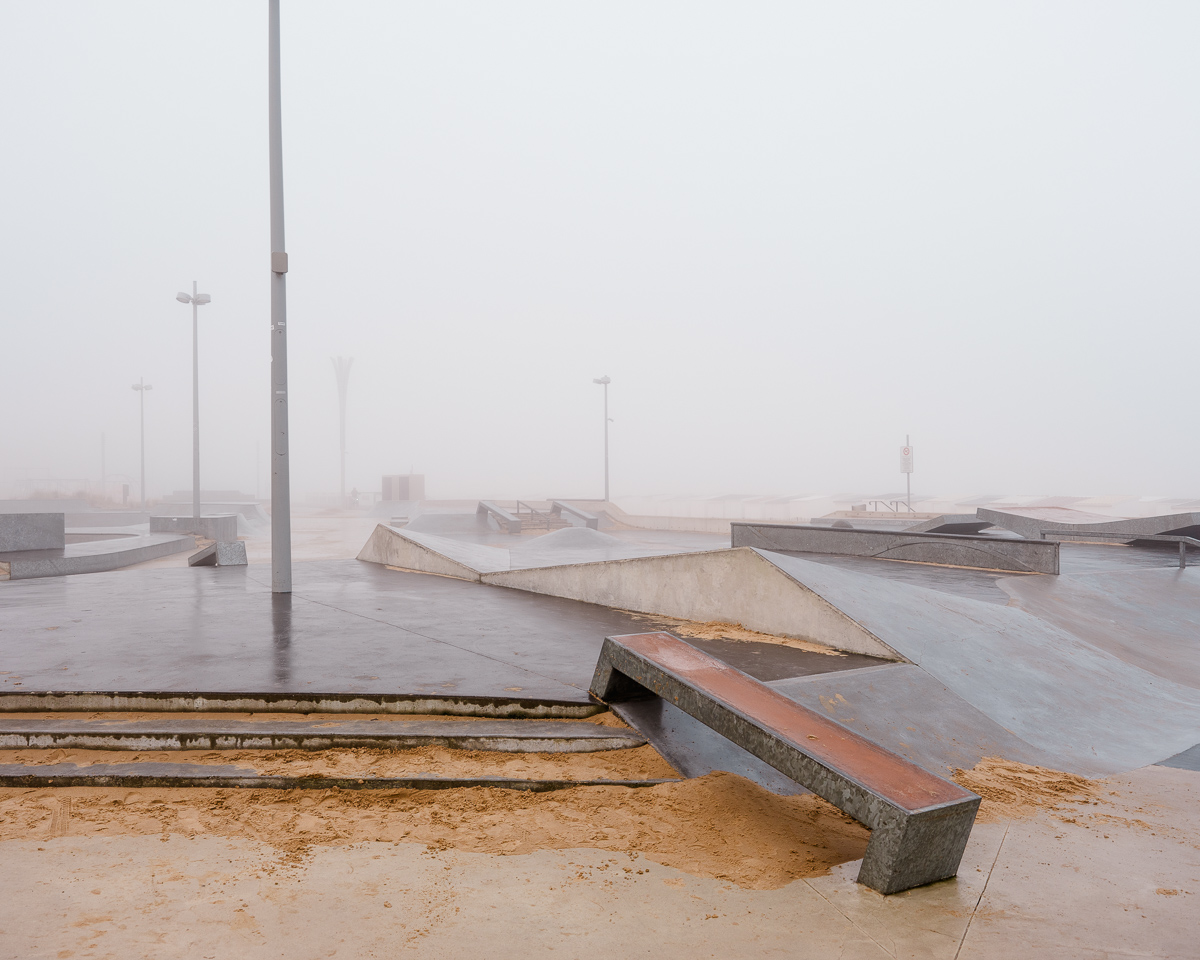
(435, 696)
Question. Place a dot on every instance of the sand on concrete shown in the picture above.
(635, 763)
(719, 826)
(1012, 791)
(719, 630)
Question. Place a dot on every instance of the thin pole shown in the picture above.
(341, 369)
(606, 443)
(195, 406)
(908, 476)
(281, 497)
(142, 405)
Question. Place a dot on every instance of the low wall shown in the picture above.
(32, 531)
(221, 527)
(984, 553)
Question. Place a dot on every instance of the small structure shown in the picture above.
(919, 822)
(222, 553)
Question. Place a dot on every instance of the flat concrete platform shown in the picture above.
(353, 637)
(217, 733)
(94, 556)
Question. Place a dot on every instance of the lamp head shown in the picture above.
(183, 297)
(203, 298)
(603, 380)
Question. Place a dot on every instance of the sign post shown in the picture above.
(906, 468)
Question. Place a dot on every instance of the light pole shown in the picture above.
(341, 369)
(281, 495)
(141, 387)
(604, 382)
(197, 300)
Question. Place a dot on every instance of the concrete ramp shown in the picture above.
(1090, 711)
(737, 585)
(425, 553)
(1033, 523)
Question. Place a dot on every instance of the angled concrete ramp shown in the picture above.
(737, 585)
(951, 523)
(1084, 708)
(1034, 524)
(425, 553)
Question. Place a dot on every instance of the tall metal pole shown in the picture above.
(281, 497)
(142, 404)
(195, 406)
(908, 476)
(341, 369)
(606, 439)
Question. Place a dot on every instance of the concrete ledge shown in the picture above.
(984, 553)
(92, 557)
(215, 733)
(1179, 524)
(182, 701)
(216, 527)
(919, 822)
(32, 531)
(220, 554)
(227, 775)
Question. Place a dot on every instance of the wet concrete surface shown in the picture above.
(349, 627)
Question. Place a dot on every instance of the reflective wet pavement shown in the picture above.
(349, 627)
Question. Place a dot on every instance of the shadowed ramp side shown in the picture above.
(425, 553)
(736, 585)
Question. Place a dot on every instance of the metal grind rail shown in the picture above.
(1082, 535)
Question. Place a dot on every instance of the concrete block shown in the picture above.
(919, 822)
(222, 553)
(214, 527)
(32, 531)
(981, 552)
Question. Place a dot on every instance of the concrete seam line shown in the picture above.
(975, 909)
(849, 919)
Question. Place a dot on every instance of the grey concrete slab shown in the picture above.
(217, 733)
(1093, 712)
(1033, 526)
(212, 527)
(695, 750)
(96, 556)
(951, 523)
(902, 708)
(1149, 618)
(220, 554)
(987, 553)
(32, 531)
(1189, 759)
(348, 628)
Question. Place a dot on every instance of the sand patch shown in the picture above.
(719, 630)
(1013, 791)
(719, 826)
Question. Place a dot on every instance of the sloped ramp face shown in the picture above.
(919, 822)
(1033, 527)
(428, 554)
(736, 585)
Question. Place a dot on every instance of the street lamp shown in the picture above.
(197, 300)
(604, 382)
(141, 387)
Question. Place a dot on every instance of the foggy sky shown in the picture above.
(790, 233)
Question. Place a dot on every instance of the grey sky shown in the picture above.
(790, 233)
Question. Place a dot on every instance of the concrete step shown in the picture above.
(211, 775)
(322, 733)
(188, 702)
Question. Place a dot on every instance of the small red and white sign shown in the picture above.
(906, 459)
